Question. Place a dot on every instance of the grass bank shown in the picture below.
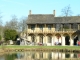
(49, 47)
(41, 48)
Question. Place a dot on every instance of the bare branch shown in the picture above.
(66, 11)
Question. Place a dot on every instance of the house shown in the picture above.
(48, 29)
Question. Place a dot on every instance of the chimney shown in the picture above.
(54, 12)
(29, 12)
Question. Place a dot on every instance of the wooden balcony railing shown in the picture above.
(51, 31)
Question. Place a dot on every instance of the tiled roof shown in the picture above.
(49, 19)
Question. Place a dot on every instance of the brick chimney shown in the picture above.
(29, 12)
(54, 12)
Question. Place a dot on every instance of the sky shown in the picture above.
(21, 8)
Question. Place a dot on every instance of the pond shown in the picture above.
(39, 55)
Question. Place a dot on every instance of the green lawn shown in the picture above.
(48, 47)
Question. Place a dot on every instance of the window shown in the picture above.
(49, 27)
(41, 39)
(49, 39)
(58, 27)
(33, 38)
(41, 27)
(32, 27)
(75, 26)
(66, 26)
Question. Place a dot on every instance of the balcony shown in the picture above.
(51, 31)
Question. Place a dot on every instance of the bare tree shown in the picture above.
(66, 14)
(22, 24)
(0, 19)
(13, 23)
(66, 11)
(1, 26)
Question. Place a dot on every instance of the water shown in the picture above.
(31, 55)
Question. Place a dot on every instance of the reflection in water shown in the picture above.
(67, 55)
(31, 55)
